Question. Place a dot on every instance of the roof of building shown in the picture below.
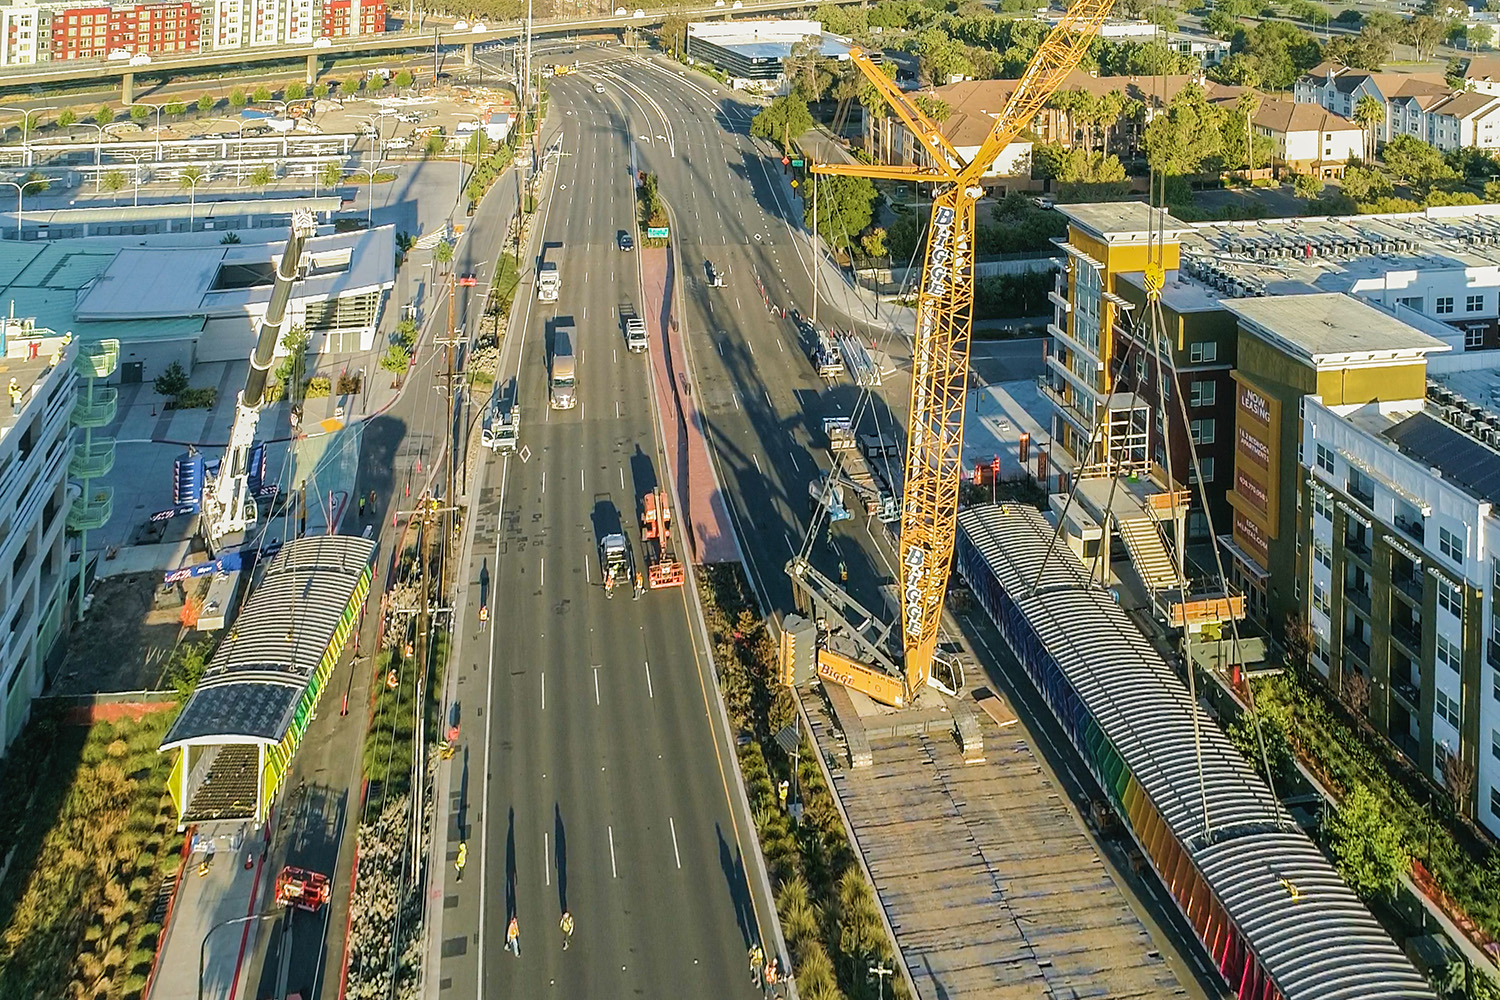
(1113, 685)
(252, 688)
(1466, 104)
(988, 97)
(17, 362)
(205, 208)
(224, 279)
(1483, 68)
(1291, 116)
(1332, 327)
(1120, 219)
(767, 39)
(1461, 458)
(1390, 84)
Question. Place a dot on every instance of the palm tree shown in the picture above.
(1369, 112)
(1110, 108)
(192, 175)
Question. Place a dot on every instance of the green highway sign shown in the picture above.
(655, 233)
(798, 163)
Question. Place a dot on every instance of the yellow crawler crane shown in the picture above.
(945, 319)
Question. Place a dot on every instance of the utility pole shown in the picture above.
(881, 973)
(814, 247)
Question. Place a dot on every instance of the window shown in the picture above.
(1411, 302)
(1473, 337)
(1322, 505)
(1203, 352)
(1451, 600)
(1203, 394)
(1324, 458)
(1443, 305)
(1449, 654)
(1495, 801)
(1447, 708)
(1322, 554)
(1495, 743)
(1320, 597)
(1206, 467)
(1474, 303)
(1450, 545)
(1203, 430)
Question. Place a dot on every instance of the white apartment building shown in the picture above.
(1416, 104)
(1308, 139)
(255, 23)
(1404, 575)
(24, 35)
(36, 447)
(1465, 119)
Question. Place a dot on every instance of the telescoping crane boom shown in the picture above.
(940, 349)
(228, 507)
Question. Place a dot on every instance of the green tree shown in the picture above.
(403, 78)
(104, 115)
(1187, 135)
(1367, 847)
(293, 364)
(229, 238)
(1349, 18)
(206, 103)
(1478, 36)
(375, 84)
(261, 177)
(1425, 33)
(1369, 114)
(1220, 24)
(443, 254)
(114, 181)
(845, 207)
(784, 120)
(139, 113)
(295, 91)
(174, 109)
(1415, 162)
(673, 35)
(171, 381)
(320, 91)
(261, 95)
(1309, 186)
(237, 99)
(349, 86)
(67, 118)
(330, 174)
(1365, 185)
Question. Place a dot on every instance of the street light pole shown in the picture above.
(21, 187)
(203, 948)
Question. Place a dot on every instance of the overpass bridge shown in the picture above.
(20, 79)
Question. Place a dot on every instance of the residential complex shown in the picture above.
(56, 31)
(1417, 104)
(36, 447)
(1335, 411)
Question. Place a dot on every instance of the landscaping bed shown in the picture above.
(828, 911)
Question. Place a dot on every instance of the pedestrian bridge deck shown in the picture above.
(991, 885)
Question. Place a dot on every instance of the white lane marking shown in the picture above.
(585, 308)
(544, 481)
(580, 481)
(614, 355)
(779, 347)
(735, 397)
(673, 826)
(588, 574)
(748, 342)
(650, 692)
(793, 456)
(543, 581)
(756, 460)
(546, 857)
(613, 871)
(596, 685)
(768, 399)
(617, 417)
(721, 348)
(544, 690)
(622, 468)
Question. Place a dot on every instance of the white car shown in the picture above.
(479, 27)
(140, 59)
(401, 143)
(460, 25)
(323, 43)
(639, 13)
(118, 54)
(598, 88)
(737, 4)
(619, 12)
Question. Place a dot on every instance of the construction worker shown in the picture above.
(484, 615)
(773, 973)
(609, 583)
(513, 937)
(361, 506)
(462, 859)
(757, 960)
(843, 571)
(566, 925)
(640, 585)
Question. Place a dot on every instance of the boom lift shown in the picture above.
(662, 566)
(940, 351)
(228, 504)
(301, 888)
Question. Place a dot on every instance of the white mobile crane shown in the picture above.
(228, 505)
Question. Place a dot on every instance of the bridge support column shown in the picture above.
(469, 55)
(127, 88)
(312, 70)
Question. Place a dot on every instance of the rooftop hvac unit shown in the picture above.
(1485, 433)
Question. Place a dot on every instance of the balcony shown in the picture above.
(98, 411)
(93, 460)
(1415, 530)
(97, 359)
(1409, 584)
(1409, 635)
(1359, 597)
(1362, 493)
(1492, 652)
(91, 510)
(1065, 407)
(1357, 546)
(1409, 690)
(1355, 646)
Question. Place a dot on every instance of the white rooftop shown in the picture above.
(1332, 328)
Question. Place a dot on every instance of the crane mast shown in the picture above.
(945, 313)
(228, 507)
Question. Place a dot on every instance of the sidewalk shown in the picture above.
(196, 930)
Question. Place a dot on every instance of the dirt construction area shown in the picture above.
(126, 638)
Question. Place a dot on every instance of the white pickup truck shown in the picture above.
(548, 281)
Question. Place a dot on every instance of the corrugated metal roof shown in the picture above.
(251, 688)
(1325, 945)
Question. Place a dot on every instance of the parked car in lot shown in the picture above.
(323, 43)
(401, 143)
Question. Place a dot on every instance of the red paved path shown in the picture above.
(705, 518)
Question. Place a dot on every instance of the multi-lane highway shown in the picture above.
(600, 778)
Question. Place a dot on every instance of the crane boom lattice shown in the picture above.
(945, 315)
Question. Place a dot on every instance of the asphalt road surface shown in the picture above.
(608, 776)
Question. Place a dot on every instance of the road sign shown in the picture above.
(798, 162)
(657, 232)
(785, 161)
(794, 184)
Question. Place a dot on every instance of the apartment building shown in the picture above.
(97, 31)
(36, 446)
(1306, 138)
(1416, 104)
(1402, 576)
